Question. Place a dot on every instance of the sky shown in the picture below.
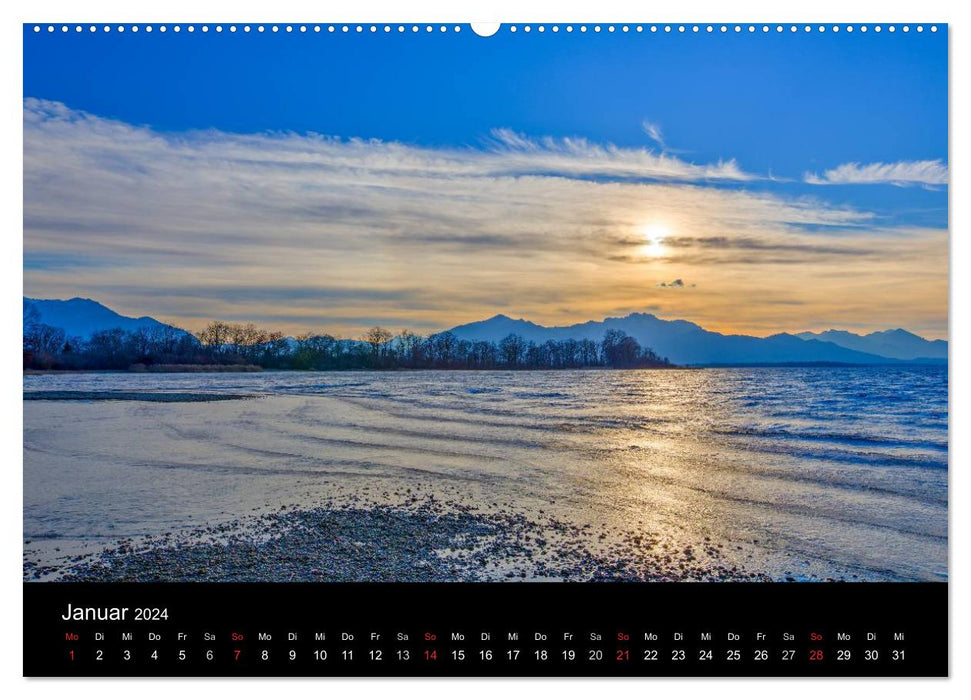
(752, 182)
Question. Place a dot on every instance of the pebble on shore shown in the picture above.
(419, 538)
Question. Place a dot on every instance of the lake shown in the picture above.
(801, 473)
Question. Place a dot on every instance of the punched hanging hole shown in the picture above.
(485, 28)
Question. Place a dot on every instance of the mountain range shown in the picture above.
(682, 342)
(686, 343)
(897, 343)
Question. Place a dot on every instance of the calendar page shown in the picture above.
(539, 349)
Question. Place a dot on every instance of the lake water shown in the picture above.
(802, 472)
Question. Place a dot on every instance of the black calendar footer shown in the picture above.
(487, 629)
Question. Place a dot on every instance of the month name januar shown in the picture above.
(102, 614)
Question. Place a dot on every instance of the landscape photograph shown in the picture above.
(563, 305)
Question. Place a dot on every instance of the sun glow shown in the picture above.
(654, 236)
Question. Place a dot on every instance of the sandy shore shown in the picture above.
(420, 538)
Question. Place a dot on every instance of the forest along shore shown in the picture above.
(244, 347)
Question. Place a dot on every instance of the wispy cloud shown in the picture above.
(802, 246)
(514, 153)
(902, 173)
(654, 132)
(290, 229)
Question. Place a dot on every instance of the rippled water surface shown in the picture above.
(804, 472)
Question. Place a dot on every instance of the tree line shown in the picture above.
(228, 344)
(48, 347)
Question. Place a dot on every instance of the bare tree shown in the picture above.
(377, 337)
(512, 348)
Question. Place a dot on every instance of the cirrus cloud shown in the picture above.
(901, 173)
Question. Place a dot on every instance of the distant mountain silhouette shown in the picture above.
(682, 342)
(79, 318)
(897, 343)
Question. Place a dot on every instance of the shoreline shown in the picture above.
(421, 539)
(147, 396)
(250, 369)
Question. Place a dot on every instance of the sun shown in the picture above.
(654, 236)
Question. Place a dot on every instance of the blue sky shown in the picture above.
(785, 108)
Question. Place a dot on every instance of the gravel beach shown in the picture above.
(419, 538)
